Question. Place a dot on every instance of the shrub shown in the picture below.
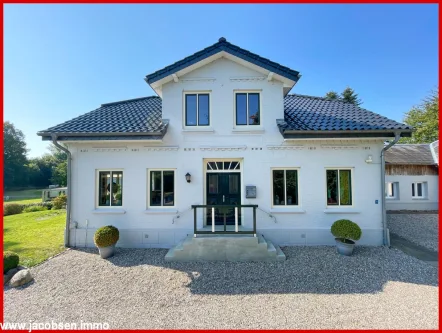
(12, 209)
(106, 236)
(10, 260)
(59, 202)
(346, 230)
(36, 208)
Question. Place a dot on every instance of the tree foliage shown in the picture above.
(14, 156)
(425, 120)
(348, 96)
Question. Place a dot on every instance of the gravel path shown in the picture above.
(421, 229)
(314, 289)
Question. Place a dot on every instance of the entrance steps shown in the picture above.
(225, 248)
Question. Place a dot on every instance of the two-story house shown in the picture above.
(224, 130)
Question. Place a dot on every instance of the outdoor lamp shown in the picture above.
(188, 177)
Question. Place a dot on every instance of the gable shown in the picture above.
(223, 49)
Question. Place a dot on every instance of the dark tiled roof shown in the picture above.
(140, 116)
(223, 45)
(417, 154)
(317, 114)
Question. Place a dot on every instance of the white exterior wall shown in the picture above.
(309, 224)
(405, 201)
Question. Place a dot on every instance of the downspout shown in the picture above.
(397, 136)
(68, 203)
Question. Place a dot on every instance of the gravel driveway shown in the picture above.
(421, 229)
(315, 288)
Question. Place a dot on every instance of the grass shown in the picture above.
(23, 201)
(35, 236)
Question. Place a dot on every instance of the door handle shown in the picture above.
(223, 198)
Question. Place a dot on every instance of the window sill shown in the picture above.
(161, 211)
(246, 129)
(391, 199)
(202, 130)
(288, 210)
(419, 198)
(341, 211)
(109, 211)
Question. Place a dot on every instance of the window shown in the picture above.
(391, 190)
(285, 187)
(247, 108)
(418, 190)
(110, 188)
(197, 109)
(162, 188)
(339, 191)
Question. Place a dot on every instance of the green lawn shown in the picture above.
(23, 196)
(35, 236)
(23, 201)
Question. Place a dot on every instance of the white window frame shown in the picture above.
(197, 126)
(395, 187)
(97, 189)
(162, 188)
(339, 193)
(259, 92)
(416, 196)
(285, 206)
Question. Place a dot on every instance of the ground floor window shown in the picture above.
(162, 187)
(110, 188)
(339, 191)
(391, 190)
(285, 187)
(418, 190)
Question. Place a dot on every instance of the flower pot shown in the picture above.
(345, 249)
(106, 252)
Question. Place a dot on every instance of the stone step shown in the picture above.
(224, 248)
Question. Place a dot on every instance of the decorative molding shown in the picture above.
(200, 79)
(248, 78)
(337, 147)
(222, 148)
(163, 148)
(108, 149)
(285, 147)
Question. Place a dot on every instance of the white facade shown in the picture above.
(403, 198)
(259, 149)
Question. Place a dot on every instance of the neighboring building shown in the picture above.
(53, 192)
(224, 130)
(412, 177)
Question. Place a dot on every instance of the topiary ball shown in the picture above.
(346, 229)
(10, 260)
(106, 236)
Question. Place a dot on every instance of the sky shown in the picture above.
(61, 61)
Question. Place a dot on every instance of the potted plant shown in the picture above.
(105, 239)
(346, 233)
(118, 197)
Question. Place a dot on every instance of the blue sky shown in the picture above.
(61, 61)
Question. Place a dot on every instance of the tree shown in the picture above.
(14, 154)
(349, 96)
(332, 95)
(59, 174)
(425, 120)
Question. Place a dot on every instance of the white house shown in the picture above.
(225, 130)
(412, 177)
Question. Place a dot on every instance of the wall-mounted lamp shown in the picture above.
(369, 159)
(188, 177)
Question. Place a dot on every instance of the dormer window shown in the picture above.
(247, 108)
(197, 109)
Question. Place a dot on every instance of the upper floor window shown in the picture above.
(197, 109)
(339, 190)
(110, 188)
(247, 108)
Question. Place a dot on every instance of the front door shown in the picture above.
(223, 188)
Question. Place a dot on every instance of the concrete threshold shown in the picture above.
(414, 250)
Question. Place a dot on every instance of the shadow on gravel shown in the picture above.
(318, 270)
